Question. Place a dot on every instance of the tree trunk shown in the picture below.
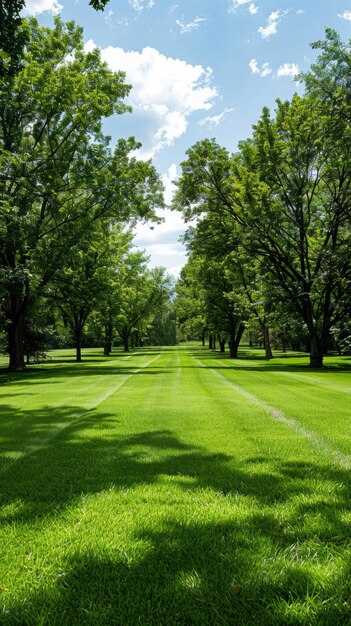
(125, 339)
(214, 342)
(78, 346)
(316, 352)
(210, 341)
(203, 338)
(267, 342)
(108, 339)
(107, 347)
(18, 302)
(250, 340)
(16, 346)
(222, 345)
(234, 341)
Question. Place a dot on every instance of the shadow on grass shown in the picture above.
(188, 573)
(246, 361)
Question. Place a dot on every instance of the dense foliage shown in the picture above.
(275, 217)
(67, 199)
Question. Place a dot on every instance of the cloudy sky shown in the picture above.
(199, 68)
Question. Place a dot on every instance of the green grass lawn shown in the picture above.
(175, 487)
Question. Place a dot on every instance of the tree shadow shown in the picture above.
(246, 362)
(188, 572)
(197, 574)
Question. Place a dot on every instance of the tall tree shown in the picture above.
(289, 190)
(58, 173)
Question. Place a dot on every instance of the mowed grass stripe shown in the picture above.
(314, 408)
(85, 395)
(175, 501)
(316, 441)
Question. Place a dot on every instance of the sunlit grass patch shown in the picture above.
(174, 499)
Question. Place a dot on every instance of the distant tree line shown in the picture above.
(270, 251)
(68, 200)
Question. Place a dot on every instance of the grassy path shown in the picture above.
(175, 487)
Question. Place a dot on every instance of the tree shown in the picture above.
(77, 288)
(222, 309)
(98, 5)
(190, 304)
(58, 174)
(289, 190)
(13, 37)
(141, 293)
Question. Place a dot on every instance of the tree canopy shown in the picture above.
(284, 198)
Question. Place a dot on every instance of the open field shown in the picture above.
(176, 487)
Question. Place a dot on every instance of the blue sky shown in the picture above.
(199, 68)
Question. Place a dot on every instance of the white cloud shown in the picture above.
(263, 72)
(165, 249)
(161, 240)
(108, 18)
(288, 69)
(238, 3)
(140, 5)
(253, 9)
(214, 120)
(271, 24)
(346, 15)
(253, 65)
(194, 25)
(34, 7)
(166, 90)
(168, 181)
(300, 12)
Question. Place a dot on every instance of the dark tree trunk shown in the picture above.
(214, 342)
(267, 342)
(203, 338)
(222, 345)
(77, 325)
(107, 348)
(18, 302)
(250, 340)
(125, 339)
(108, 338)
(316, 352)
(234, 341)
(78, 346)
(210, 341)
(16, 345)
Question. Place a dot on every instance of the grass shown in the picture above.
(175, 487)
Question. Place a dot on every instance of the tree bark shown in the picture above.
(78, 346)
(234, 341)
(108, 339)
(222, 345)
(210, 341)
(267, 342)
(17, 307)
(316, 352)
(125, 339)
(16, 347)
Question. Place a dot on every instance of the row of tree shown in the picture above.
(68, 200)
(271, 245)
